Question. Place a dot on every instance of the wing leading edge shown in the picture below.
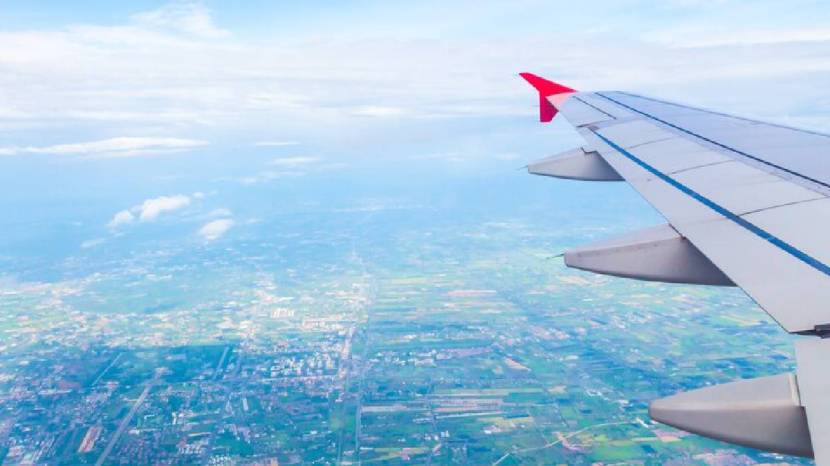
(747, 205)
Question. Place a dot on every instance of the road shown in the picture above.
(124, 423)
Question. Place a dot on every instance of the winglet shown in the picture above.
(546, 89)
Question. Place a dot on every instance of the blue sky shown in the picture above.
(131, 101)
(264, 19)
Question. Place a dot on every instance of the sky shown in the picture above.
(108, 108)
(174, 76)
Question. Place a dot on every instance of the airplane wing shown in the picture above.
(746, 204)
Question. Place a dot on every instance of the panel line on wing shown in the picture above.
(716, 143)
(764, 209)
(712, 112)
(595, 107)
(669, 138)
(705, 165)
(763, 234)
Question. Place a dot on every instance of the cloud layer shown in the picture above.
(176, 66)
(113, 147)
(220, 219)
(180, 75)
(123, 217)
(186, 17)
(151, 209)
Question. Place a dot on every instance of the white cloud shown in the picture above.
(276, 143)
(378, 111)
(447, 156)
(123, 217)
(185, 17)
(293, 161)
(215, 229)
(507, 156)
(266, 176)
(221, 212)
(285, 167)
(113, 147)
(150, 209)
(704, 37)
(91, 243)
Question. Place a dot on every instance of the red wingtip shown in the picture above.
(546, 88)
